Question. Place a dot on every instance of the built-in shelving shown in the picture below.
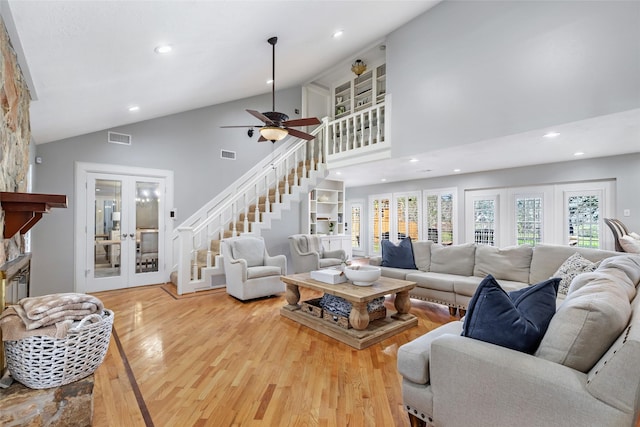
(360, 92)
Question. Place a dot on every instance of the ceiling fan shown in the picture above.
(277, 125)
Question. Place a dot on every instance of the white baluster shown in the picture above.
(267, 201)
(286, 176)
(304, 158)
(246, 214)
(311, 155)
(378, 127)
(296, 178)
(257, 210)
(233, 219)
(209, 256)
(275, 170)
(194, 272)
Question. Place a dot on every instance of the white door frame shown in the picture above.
(82, 170)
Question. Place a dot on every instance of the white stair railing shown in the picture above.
(362, 129)
(211, 221)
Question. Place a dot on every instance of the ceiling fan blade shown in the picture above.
(309, 121)
(258, 115)
(241, 126)
(262, 139)
(300, 134)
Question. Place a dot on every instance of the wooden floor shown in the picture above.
(207, 359)
(211, 360)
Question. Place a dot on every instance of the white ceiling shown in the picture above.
(88, 61)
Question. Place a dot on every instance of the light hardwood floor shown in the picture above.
(210, 360)
(213, 360)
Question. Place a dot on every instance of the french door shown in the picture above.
(124, 244)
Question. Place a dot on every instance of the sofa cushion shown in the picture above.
(510, 263)
(517, 320)
(467, 286)
(629, 244)
(547, 258)
(263, 271)
(586, 324)
(570, 268)
(250, 249)
(422, 254)
(395, 273)
(438, 281)
(628, 263)
(454, 259)
(400, 256)
(622, 271)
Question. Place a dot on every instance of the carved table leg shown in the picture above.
(292, 295)
(452, 311)
(359, 316)
(402, 302)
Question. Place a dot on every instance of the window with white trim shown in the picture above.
(380, 224)
(439, 216)
(407, 215)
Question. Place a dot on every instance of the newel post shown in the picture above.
(185, 247)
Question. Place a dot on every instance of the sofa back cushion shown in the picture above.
(398, 256)
(251, 249)
(586, 323)
(454, 259)
(511, 263)
(548, 258)
(422, 254)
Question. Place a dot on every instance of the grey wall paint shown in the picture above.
(467, 71)
(624, 169)
(188, 144)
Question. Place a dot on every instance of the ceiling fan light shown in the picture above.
(273, 133)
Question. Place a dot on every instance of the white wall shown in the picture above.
(467, 71)
(187, 143)
(625, 170)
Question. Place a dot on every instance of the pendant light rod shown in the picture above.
(272, 41)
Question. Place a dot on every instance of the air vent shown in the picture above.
(226, 154)
(119, 138)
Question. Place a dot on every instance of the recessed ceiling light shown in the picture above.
(134, 108)
(383, 179)
(269, 81)
(338, 173)
(456, 170)
(578, 153)
(338, 34)
(165, 48)
(413, 160)
(551, 134)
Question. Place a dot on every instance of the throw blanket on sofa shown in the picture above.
(38, 312)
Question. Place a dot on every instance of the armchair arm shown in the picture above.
(305, 261)
(236, 268)
(338, 253)
(277, 261)
(477, 383)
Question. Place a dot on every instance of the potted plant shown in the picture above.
(332, 225)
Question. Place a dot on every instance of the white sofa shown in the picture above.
(585, 372)
(449, 275)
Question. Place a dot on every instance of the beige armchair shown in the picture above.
(308, 254)
(250, 271)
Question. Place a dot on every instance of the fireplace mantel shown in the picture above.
(23, 210)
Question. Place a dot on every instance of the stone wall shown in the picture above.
(15, 135)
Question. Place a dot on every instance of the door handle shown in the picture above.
(132, 235)
(124, 236)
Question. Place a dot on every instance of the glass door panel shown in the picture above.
(147, 226)
(107, 216)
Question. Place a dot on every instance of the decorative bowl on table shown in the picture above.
(362, 275)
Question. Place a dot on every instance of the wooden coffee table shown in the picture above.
(364, 332)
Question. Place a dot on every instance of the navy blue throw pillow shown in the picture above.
(517, 320)
(400, 256)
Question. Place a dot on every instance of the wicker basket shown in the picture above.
(44, 362)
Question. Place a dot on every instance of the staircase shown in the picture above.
(248, 206)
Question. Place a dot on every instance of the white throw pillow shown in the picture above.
(629, 244)
(635, 235)
(569, 269)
